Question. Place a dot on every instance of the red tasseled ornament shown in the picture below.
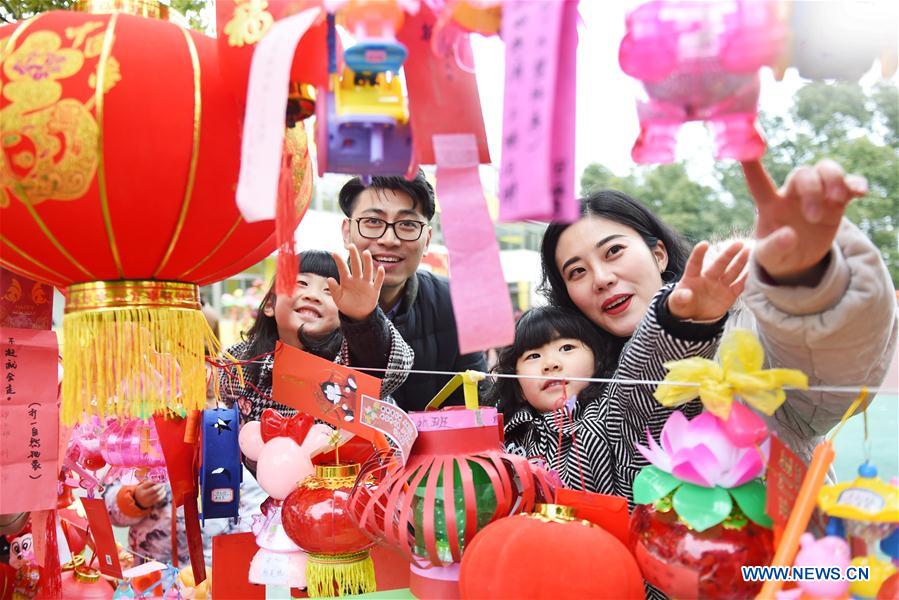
(294, 193)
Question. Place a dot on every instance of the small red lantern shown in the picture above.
(548, 554)
(316, 517)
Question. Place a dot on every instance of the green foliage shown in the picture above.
(16, 10)
(857, 127)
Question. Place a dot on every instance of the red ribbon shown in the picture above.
(274, 424)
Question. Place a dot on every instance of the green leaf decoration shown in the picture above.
(702, 507)
(750, 497)
(653, 483)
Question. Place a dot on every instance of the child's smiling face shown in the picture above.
(311, 307)
(559, 359)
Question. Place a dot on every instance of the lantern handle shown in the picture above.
(469, 382)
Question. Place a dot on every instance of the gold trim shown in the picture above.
(87, 575)
(194, 152)
(214, 250)
(73, 564)
(101, 167)
(26, 256)
(11, 42)
(15, 268)
(142, 8)
(101, 295)
(331, 471)
(557, 513)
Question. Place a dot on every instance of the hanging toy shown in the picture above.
(22, 558)
(374, 24)
(699, 61)
(830, 551)
(131, 448)
(457, 20)
(362, 121)
(220, 470)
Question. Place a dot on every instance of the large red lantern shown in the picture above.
(317, 518)
(120, 156)
(548, 554)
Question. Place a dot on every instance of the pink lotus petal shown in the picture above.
(698, 465)
(686, 472)
(747, 468)
(654, 454)
(674, 433)
(707, 429)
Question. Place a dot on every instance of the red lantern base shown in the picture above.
(435, 583)
(684, 563)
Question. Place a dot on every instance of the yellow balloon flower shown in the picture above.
(739, 373)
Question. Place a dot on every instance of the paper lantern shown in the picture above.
(120, 159)
(548, 554)
(316, 517)
(456, 481)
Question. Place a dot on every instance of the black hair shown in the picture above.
(419, 189)
(535, 328)
(620, 208)
(263, 334)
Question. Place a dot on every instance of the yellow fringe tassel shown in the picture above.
(329, 575)
(134, 361)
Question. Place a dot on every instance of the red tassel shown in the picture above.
(293, 200)
(51, 578)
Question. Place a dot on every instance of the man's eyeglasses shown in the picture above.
(373, 228)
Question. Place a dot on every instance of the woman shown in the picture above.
(817, 294)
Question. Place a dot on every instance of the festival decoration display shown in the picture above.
(220, 470)
(282, 448)
(456, 481)
(82, 582)
(699, 61)
(701, 505)
(549, 553)
(456, 20)
(75, 198)
(316, 517)
(701, 511)
(22, 558)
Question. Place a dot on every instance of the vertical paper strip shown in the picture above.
(443, 98)
(101, 532)
(537, 176)
(29, 420)
(264, 125)
(481, 302)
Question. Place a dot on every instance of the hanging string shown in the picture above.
(812, 388)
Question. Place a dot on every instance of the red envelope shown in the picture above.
(104, 540)
(442, 97)
(233, 554)
(785, 474)
(609, 512)
(325, 390)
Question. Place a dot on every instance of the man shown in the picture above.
(390, 218)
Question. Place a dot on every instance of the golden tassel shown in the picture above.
(133, 348)
(329, 575)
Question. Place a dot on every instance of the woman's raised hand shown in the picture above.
(356, 296)
(797, 223)
(706, 294)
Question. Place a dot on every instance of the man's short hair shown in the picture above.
(418, 189)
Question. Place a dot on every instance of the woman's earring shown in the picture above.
(668, 276)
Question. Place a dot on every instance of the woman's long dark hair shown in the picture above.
(261, 337)
(535, 328)
(618, 207)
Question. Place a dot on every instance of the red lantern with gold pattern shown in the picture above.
(120, 157)
(316, 517)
